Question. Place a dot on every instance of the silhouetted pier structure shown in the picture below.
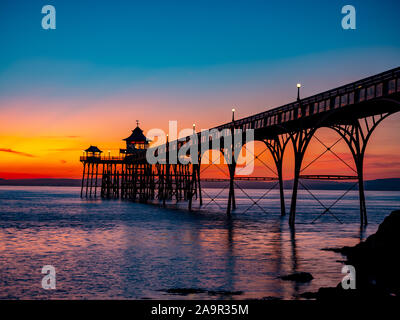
(353, 111)
(130, 176)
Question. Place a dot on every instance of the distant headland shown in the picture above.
(392, 184)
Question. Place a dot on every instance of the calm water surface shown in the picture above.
(123, 250)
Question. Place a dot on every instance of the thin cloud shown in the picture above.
(24, 154)
(77, 149)
(65, 149)
(389, 164)
(60, 137)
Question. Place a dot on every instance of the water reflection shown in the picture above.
(294, 258)
(363, 230)
(230, 261)
(116, 249)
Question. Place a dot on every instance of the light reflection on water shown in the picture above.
(118, 249)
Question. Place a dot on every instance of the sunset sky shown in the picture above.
(109, 63)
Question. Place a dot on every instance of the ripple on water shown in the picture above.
(118, 249)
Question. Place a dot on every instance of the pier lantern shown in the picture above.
(136, 141)
(93, 151)
(298, 91)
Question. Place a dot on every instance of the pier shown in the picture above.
(353, 111)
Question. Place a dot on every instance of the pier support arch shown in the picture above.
(277, 148)
(356, 134)
(300, 140)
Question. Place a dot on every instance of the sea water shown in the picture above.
(113, 249)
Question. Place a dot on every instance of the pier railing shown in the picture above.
(353, 111)
(102, 158)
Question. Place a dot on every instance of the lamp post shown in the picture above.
(298, 91)
(233, 114)
(109, 154)
(194, 128)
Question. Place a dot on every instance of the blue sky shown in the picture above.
(157, 34)
(109, 63)
(112, 44)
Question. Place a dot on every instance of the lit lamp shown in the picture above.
(298, 91)
(194, 128)
(233, 114)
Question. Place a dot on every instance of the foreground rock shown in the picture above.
(376, 262)
(187, 291)
(298, 277)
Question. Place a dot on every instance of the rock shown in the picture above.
(309, 295)
(377, 260)
(184, 291)
(377, 265)
(270, 298)
(339, 250)
(187, 291)
(298, 277)
(224, 293)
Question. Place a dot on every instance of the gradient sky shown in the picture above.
(109, 63)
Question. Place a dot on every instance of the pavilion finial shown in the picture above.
(137, 123)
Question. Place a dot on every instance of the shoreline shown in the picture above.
(389, 184)
(375, 263)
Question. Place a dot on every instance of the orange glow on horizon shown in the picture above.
(45, 138)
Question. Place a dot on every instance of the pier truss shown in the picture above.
(353, 111)
(134, 179)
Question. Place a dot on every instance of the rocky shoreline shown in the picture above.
(377, 264)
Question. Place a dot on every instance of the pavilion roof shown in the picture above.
(136, 136)
(93, 149)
